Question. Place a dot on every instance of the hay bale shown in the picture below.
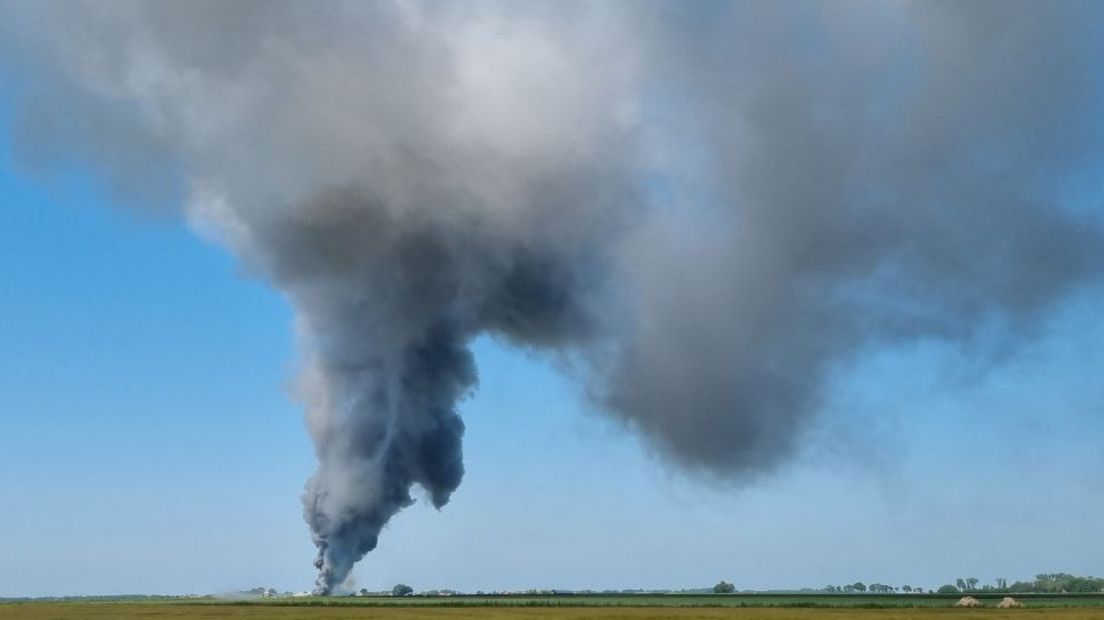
(1008, 603)
(968, 601)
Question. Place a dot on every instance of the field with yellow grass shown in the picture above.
(170, 610)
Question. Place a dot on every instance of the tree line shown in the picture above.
(1045, 583)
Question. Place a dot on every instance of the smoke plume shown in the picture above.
(710, 205)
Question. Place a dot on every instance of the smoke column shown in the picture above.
(711, 205)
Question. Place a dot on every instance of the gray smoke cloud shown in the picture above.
(710, 206)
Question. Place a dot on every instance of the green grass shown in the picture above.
(680, 600)
(589, 606)
(675, 600)
(148, 610)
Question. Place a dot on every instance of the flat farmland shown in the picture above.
(37, 610)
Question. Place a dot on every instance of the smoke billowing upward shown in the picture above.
(388, 351)
(712, 205)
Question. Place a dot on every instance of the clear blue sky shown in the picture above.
(149, 443)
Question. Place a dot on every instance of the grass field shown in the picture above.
(158, 611)
(694, 600)
(637, 607)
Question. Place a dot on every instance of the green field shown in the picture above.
(589, 607)
(852, 601)
(125, 611)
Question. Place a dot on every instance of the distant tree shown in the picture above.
(1002, 583)
(1064, 582)
(948, 589)
(724, 588)
(961, 583)
(859, 586)
(906, 588)
(402, 590)
(971, 583)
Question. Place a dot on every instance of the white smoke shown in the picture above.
(712, 204)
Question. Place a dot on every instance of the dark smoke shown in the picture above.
(714, 205)
(389, 351)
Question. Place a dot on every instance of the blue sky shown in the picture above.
(150, 439)
(151, 444)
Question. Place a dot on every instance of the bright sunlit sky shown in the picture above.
(150, 443)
